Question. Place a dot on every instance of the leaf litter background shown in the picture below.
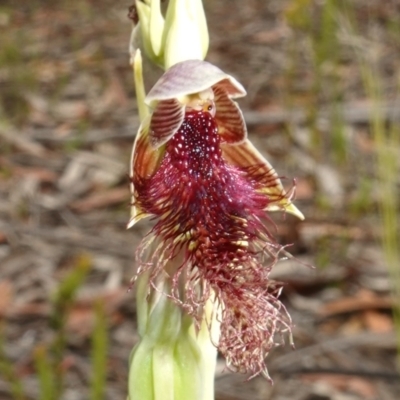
(315, 73)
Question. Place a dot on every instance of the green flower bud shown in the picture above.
(183, 35)
(151, 23)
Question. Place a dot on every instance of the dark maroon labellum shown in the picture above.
(211, 216)
(207, 196)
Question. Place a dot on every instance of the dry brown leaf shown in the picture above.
(6, 296)
(71, 109)
(356, 385)
(364, 142)
(270, 36)
(3, 237)
(29, 310)
(304, 189)
(81, 320)
(377, 322)
(22, 142)
(102, 200)
(67, 363)
(365, 300)
(364, 388)
(353, 326)
(40, 174)
(316, 230)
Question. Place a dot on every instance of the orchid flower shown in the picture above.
(209, 191)
(202, 279)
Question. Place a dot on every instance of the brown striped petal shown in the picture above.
(166, 119)
(229, 89)
(247, 157)
(231, 125)
(189, 77)
(144, 163)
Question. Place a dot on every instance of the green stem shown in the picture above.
(139, 85)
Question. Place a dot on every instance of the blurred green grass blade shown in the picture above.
(66, 292)
(386, 143)
(99, 355)
(325, 40)
(388, 167)
(72, 282)
(45, 374)
(62, 303)
(8, 372)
